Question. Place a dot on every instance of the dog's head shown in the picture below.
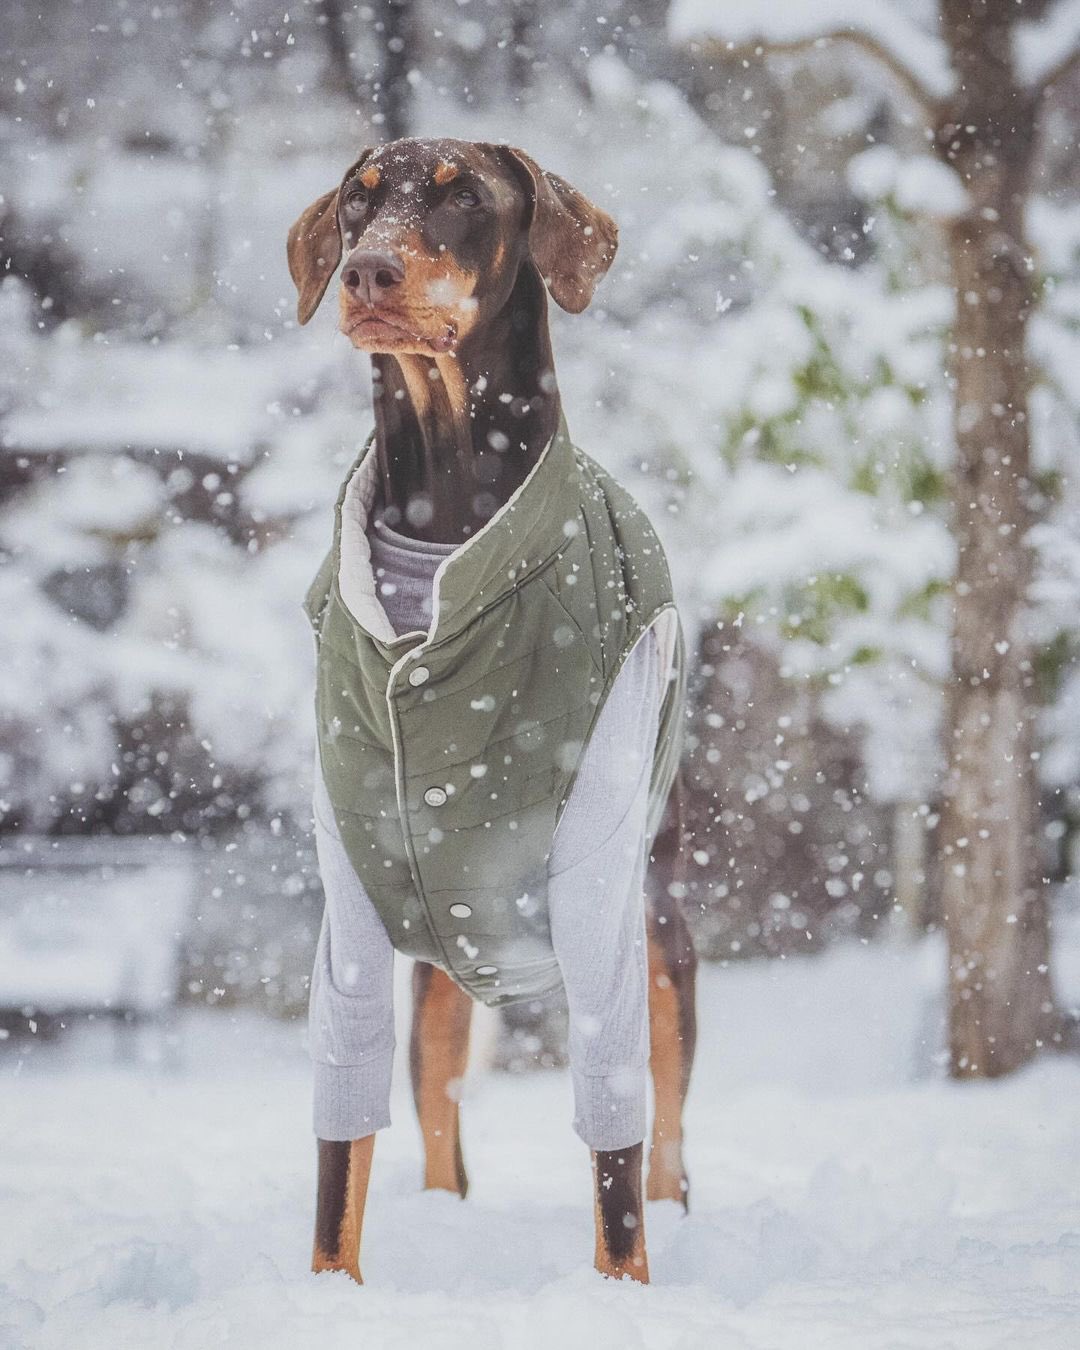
(434, 233)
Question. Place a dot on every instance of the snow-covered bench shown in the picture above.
(91, 925)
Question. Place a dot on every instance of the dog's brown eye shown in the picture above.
(466, 197)
(356, 199)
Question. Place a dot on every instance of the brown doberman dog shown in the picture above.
(448, 248)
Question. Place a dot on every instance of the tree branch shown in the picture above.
(1059, 73)
(926, 100)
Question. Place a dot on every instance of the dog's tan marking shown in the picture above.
(445, 172)
(371, 176)
(440, 1048)
(414, 370)
(435, 298)
(440, 397)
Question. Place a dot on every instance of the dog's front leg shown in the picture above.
(344, 1169)
(620, 1217)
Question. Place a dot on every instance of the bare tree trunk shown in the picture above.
(342, 74)
(395, 25)
(387, 86)
(522, 54)
(1000, 997)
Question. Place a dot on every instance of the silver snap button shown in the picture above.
(418, 675)
(487, 970)
(435, 796)
(461, 911)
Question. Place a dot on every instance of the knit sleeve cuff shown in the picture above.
(352, 1101)
(609, 1110)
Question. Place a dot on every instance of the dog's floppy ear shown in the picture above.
(314, 246)
(571, 241)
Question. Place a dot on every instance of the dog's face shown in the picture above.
(423, 221)
(434, 233)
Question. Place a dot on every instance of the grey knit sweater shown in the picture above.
(595, 903)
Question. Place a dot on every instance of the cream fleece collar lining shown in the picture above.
(356, 577)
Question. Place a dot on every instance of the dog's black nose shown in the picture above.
(369, 271)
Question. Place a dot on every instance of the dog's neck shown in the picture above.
(457, 434)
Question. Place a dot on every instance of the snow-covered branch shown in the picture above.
(918, 59)
(919, 184)
(1047, 51)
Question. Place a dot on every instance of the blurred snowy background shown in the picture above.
(765, 367)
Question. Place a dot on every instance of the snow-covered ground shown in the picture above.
(844, 1195)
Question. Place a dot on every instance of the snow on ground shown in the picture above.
(844, 1196)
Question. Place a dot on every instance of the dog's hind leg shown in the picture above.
(672, 1020)
(438, 1053)
(672, 1017)
(344, 1169)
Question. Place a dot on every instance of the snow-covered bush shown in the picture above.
(158, 669)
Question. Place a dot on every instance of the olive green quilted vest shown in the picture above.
(449, 755)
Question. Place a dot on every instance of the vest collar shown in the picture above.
(529, 529)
